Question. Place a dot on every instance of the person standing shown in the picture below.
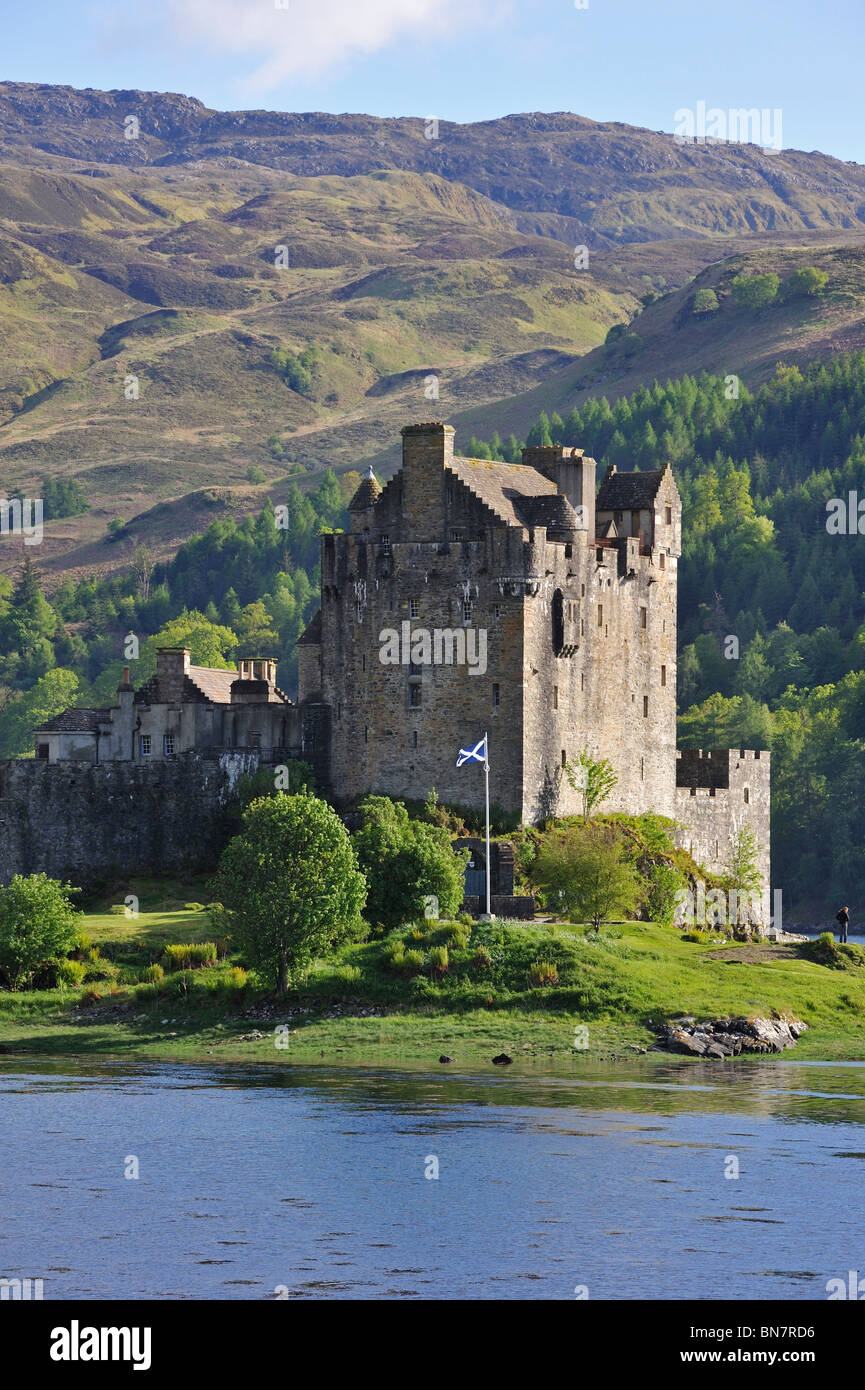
(843, 918)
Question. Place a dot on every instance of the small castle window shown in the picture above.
(642, 769)
(644, 616)
(414, 608)
(449, 495)
(496, 695)
(366, 733)
(582, 591)
(756, 753)
(564, 757)
(168, 745)
(662, 560)
(497, 611)
(467, 611)
(668, 515)
(747, 796)
(384, 538)
(663, 675)
(456, 534)
(415, 696)
(144, 745)
(339, 709)
(645, 706)
(582, 680)
(414, 738)
(363, 662)
(600, 615)
(555, 697)
(254, 738)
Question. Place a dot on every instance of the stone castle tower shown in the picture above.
(473, 596)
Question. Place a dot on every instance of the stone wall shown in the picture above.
(718, 791)
(91, 822)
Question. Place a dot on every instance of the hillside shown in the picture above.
(150, 265)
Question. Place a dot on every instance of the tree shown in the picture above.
(291, 882)
(755, 291)
(54, 692)
(705, 303)
(805, 282)
(585, 875)
(593, 778)
(38, 924)
(404, 861)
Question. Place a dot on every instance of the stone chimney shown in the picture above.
(573, 475)
(426, 450)
(172, 668)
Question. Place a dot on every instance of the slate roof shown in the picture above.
(553, 511)
(367, 494)
(312, 634)
(214, 685)
(628, 491)
(74, 721)
(502, 486)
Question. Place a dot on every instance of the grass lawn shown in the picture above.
(374, 1004)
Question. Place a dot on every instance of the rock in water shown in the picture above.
(503, 1060)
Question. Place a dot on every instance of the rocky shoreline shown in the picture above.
(729, 1037)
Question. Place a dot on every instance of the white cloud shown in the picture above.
(310, 36)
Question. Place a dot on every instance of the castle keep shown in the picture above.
(468, 596)
(526, 604)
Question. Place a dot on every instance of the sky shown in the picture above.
(633, 61)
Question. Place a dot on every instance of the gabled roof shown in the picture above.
(502, 486)
(628, 491)
(214, 685)
(74, 721)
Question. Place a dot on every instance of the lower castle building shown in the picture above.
(468, 597)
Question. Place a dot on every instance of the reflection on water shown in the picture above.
(312, 1180)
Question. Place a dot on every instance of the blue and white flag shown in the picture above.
(478, 754)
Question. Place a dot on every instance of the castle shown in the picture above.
(468, 596)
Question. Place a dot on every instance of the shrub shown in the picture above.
(697, 934)
(348, 974)
(234, 980)
(119, 909)
(83, 944)
(405, 861)
(543, 972)
(190, 955)
(482, 960)
(465, 919)
(394, 954)
(70, 972)
(438, 960)
(457, 935)
(151, 974)
(411, 962)
(89, 997)
(100, 970)
(147, 991)
(37, 923)
(181, 983)
(194, 907)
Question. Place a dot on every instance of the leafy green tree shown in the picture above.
(404, 861)
(705, 303)
(54, 692)
(38, 924)
(586, 876)
(755, 291)
(291, 881)
(805, 282)
(593, 778)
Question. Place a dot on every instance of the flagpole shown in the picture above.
(487, 783)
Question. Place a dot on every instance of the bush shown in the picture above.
(481, 960)
(234, 980)
(348, 974)
(150, 974)
(404, 861)
(70, 972)
(100, 970)
(438, 960)
(147, 991)
(190, 955)
(37, 923)
(543, 972)
(457, 935)
(181, 983)
(194, 907)
(411, 962)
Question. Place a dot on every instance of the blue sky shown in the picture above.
(628, 60)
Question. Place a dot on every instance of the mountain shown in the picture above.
(153, 332)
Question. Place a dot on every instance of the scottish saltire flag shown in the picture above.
(478, 754)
